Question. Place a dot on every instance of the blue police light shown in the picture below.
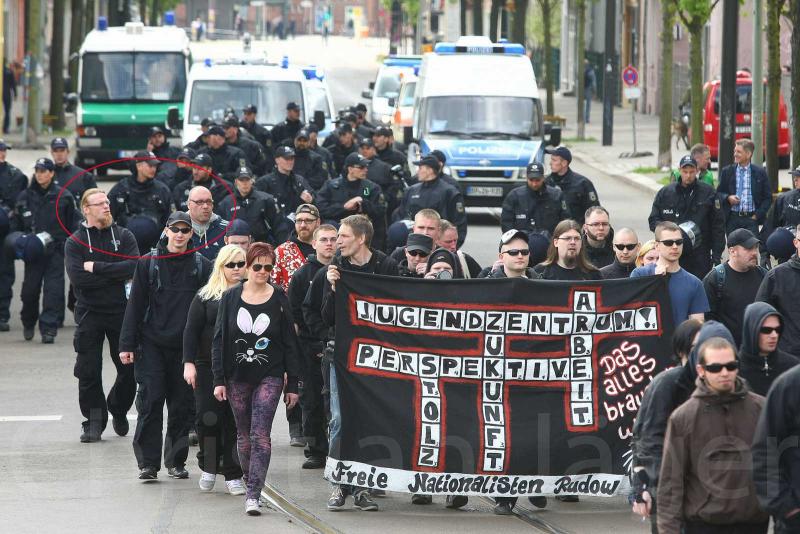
(416, 70)
(285, 62)
(102, 24)
(402, 61)
(313, 73)
(462, 174)
(207, 62)
(504, 48)
(508, 174)
(169, 18)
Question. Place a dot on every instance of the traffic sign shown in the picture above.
(631, 93)
(630, 76)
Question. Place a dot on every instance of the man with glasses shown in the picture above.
(163, 286)
(566, 258)
(626, 248)
(209, 228)
(762, 361)
(686, 292)
(699, 491)
(535, 207)
(780, 288)
(598, 236)
(99, 274)
(514, 253)
(746, 188)
(417, 249)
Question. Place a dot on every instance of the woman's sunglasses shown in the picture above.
(235, 265)
(258, 266)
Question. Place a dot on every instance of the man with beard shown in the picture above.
(566, 259)
(200, 176)
(307, 163)
(208, 227)
(99, 269)
(626, 247)
(294, 253)
(598, 236)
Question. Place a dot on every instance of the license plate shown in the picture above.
(126, 153)
(484, 191)
(743, 129)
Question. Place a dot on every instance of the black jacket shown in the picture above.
(312, 306)
(334, 194)
(223, 348)
(180, 193)
(102, 290)
(199, 332)
(785, 212)
(579, 192)
(727, 303)
(35, 211)
(760, 371)
(225, 160)
(12, 183)
(260, 210)
(601, 256)
(286, 188)
(65, 173)
(174, 175)
(780, 288)
(534, 211)
(158, 312)
(437, 195)
(130, 197)
(500, 272)
(339, 152)
(393, 157)
(258, 132)
(283, 133)
(312, 167)
(298, 289)
(617, 270)
(326, 156)
(254, 152)
(551, 272)
(760, 188)
(212, 240)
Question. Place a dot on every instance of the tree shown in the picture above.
(57, 65)
(695, 14)
(794, 10)
(76, 35)
(665, 86)
(547, 7)
(580, 5)
(773, 31)
(494, 17)
(33, 51)
(477, 17)
(518, 24)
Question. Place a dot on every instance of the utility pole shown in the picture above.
(33, 71)
(727, 101)
(757, 106)
(609, 76)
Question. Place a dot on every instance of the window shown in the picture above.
(125, 76)
(210, 98)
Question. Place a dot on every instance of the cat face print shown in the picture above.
(250, 345)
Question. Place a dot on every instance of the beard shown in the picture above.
(104, 221)
(570, 260)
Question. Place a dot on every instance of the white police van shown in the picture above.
(216, 85)
(478, 102)
(385, 89)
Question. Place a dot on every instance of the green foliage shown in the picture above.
(409, 7)
(535, 24)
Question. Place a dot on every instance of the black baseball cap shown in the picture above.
(250, 109)
(511, 235)
(301, 134)
(311, 209)
(382, 131)
(355, 160)
(156, 130)
(429, 161)
(231, 120)
(238, 227)
(438, 154)
(345, 128)
(795, 172)
(534, 170)
(203, 160)
(420, 242)
(208, 121)
(284, 152)
(361, 107)
(244, 174)
(44, 164)
(216, 130)
(312, 128)
(4, 145)
(743, 237)
(688, 161)
(179, 217)
(187, 153)
(145, 156)
(366, 142)
(59, 143)
(292, 105)
(562, 152)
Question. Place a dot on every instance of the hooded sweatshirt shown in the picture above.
(779, 288)
(761, 371)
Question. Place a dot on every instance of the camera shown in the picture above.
(444, 275)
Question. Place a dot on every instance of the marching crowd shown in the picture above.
(223, 334)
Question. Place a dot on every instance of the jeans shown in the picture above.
(587, 105)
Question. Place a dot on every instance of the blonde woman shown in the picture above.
(647, 254)
(216, 428)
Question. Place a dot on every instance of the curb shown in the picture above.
(303, 516)
(634, 180)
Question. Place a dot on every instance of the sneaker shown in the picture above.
(456, 501)
(47, 339)
(193, 440)
(178, 472)
(27, 333)
(207, 481)
(148, 474)
(297, 441)
(251, 507)
(418, 498)
(337, 499)
(314, 462)
(4, 326)
(503, 508)
(567, 498)
(538, 502)
(236, 486)
(362, 501)
(90, 436)
(120, 424)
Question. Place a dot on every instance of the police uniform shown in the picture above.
(784, 213)
(284, 132)
(253, 151)
(12, 183)
(260, 211)
(439, 196)
(285, 188)
(339, 152)
(310, 165)
(36, 212)
(172, 176)
(534, 211)
(700, 204)
(579, 191)
(180, 193)
(227, 159)
(65, 173)
(258, 132)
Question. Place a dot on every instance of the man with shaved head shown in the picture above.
(206, 224)
(626, 247)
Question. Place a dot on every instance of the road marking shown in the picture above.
(280, 502)
(28, 418)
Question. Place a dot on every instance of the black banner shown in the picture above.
(493, 387)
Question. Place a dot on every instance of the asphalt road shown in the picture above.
(54, 483)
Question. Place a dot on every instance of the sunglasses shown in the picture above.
(418, 253)
(179, 229)
(258, 266)
(620, 246)
(771, 329)
(715, 368)
(517, 251)
(235, 265)
(671, 242)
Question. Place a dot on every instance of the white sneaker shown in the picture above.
(235, 486)
(251, 507)
(207, 481)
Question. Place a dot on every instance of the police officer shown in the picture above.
(438, 154)
(12, 182)
(344, 146)
(99, 268)
(313, 145)
(364, 129)
(785, 212)
(249, 123)
(209, 228)
(254, 152)
(695, 207)
(535, 207)
(579, 192)
(65, 171)
(377, 171)
(307, 163)
(288, 188)
(226, 159)
(164, 284)
(433, 193)
(258, 209)
(182, 171)
(37, 214)
(382, 137)
(201, 175)
(202, 139)
(157, 144)
(140, 203)
(284, 132)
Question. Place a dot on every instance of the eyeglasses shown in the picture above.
(97, 204)
(420, 253)
(672, 242)
(179, 229)
(235, 265)
(305, 221)
(208, 202)
(598, 225)
(771, 329)
(621, 246)
(516, 251)
(715, 368)
(572, 239)
(258, 266)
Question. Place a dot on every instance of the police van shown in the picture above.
(128, 77)
(478, 102)
(386, 86)
(216, 85)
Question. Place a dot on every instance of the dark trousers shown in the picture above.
(6, 114)
(315, 424)
(92, 329)
(295, 418)
(44, 276)
(698, 527)
(787, 526)
(6, 284)
(159, 374)
(216, 429)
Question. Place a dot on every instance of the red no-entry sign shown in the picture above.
(630, 76)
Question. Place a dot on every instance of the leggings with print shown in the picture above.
(253, 407)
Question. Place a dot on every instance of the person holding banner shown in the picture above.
(566, 258)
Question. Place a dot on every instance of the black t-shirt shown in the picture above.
(259, 341)
(738, 291)
(556, 272)
(305, 248)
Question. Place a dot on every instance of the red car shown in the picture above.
(744, 88)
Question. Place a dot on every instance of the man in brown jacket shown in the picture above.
(706, 480)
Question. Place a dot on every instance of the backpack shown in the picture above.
(154, 280)
(719, 271)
